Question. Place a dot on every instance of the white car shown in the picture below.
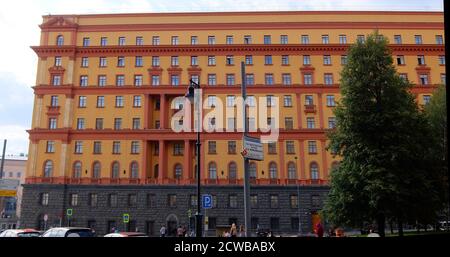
(126, 234)
(69, 232)
(20, 233)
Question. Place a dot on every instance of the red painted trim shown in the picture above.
(302, 159)
(162, 161)
(319, 96)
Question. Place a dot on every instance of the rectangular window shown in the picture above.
(118, 123)
(403, 76)
(360, 38)
(212, 147)
(400, 60)
(119, 101)
(267, 40)
(328, 78)
(325, 39)
(83, 81)
(439, 40)
(231, 124)
(151, 200)
(52, 123)
(307, 79)
(56, 80)
(174, 61)
(285, 60)
(120, 80)
(343, 59)
(287, 101)
(274, 201)
(287, 79)
(254, 201)
(247, 39)
(54, 101)
(79, 147)
(73, 199)
(423, 79)
(309, 100)
(305, 39)
(230, 60)
(421, 60)
(121, 41)
(135, 147)
(58, 61)
(86, 41)
(155, 40)
(175, 80)
(211, 40)
(103, 62)
(155, 61)
(326, 60)
(342, 39)
(230, 80)
(137, 102)
(211, 79)
(418, 39)
(211, 60)
(84, 62)
(99, 123)
(249, 60)
(93, 200)
(268, 60)
(229, 40)
(443, 79)
(80, 123)
(288, 123)
(270, 101)
(283, 39)
(441, 59)
(139, 62)
(330, 101)
(232, 201)
(426, 99)
(120, 61)
(398, 39)
(331, 122)
(290, 147)
(178, 149)
(315, 201)
(97, 147)
(293, 201)
(269, 79)
(172, 200)
(312, 147)
(44, 199)
(272, 148)
(138, 80)
(112, 200)
(194, 60)
(155, 80)
(103, 41)
(231, 101)
(231, 147)
(136, 123)
(310, 123)
(250, 79)
(50, 146)
(116, 147)
(101, 80)
(194, 40)
(100, 101)
(139, 41)
(175, 40)
(306, 60)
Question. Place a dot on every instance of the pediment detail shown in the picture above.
(58, 22)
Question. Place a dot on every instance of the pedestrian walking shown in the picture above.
(180, 231)
(241, 231)
(319, 230)
(162, 231)
(233, 230)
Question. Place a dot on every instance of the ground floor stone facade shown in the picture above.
(102, 207)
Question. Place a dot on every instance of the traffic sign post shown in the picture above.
(126, 220)
(69, 214)
(207, 201)
(45, 221)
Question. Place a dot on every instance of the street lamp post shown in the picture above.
(298, 205)
(198, 216)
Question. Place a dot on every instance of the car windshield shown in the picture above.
(29, 234)
(80, 233)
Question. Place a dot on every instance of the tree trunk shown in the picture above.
(400, 227)
(381, 222)
(392, 226)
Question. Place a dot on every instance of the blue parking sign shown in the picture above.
(207, 201)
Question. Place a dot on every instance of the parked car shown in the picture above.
(69, 232)
(20, 233)
(126, 234)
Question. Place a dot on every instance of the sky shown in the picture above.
(19, 20)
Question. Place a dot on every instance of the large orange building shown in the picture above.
(102, 142)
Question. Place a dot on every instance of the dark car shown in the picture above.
(69, 232)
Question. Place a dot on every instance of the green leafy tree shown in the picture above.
(382, 138)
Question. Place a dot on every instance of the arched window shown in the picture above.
(60, 40)
(134, 167)
(115, 170)
(292, 171)
(253, 171)
(156, 170)
(96, 170)
(76, 170)
(314, 169)
(212, 168)
(178, 171)
(232, 170)
(48, 169)
(273, 170)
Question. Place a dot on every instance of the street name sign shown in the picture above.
(253, 149)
